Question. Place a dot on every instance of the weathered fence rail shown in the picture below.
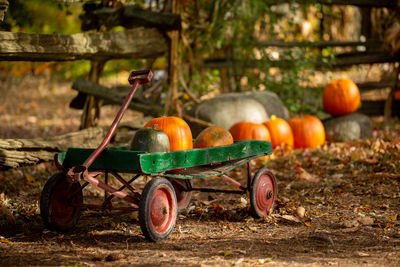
(134, 43)
(342, 60)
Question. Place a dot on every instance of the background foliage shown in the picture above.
(219, 29)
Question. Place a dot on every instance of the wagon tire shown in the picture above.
(60, 203)
(263, 193)
(157, 209)
(183, 197)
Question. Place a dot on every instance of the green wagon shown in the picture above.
(165, 194)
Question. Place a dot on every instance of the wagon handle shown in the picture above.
(146, 79)
(135, 82)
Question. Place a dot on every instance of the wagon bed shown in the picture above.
(187, 161)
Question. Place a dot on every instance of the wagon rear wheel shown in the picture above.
(60, 203)
(157, 209)
(182, 197)
(263, 193)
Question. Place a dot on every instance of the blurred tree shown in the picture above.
(43, 16)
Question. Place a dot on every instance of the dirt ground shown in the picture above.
(350, 193)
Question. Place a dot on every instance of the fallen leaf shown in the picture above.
(362, 254)
(290, 218)
(239, 261)
(365, 220)
(227, 253)
(351, 223)
(218, 207)
(307, 223)
(94, 232)
(337, 176)
(302, 174)
(358, 155)
(263, 261)
(252, 228)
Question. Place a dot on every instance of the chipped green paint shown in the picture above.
(161, 162)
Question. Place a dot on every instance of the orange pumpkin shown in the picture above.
(249, 130)
(178, 131)
(213, 136)
(308, 131)
(280, 132)
(341, 97)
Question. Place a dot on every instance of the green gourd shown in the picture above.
(150, 140)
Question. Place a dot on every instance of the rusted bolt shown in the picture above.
(269, 194)
(164, 211)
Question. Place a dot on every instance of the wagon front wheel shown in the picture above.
(157, 209)
(60, 203)
(263, 193)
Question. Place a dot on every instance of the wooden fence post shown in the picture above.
(3, 8)
(173, 67)
(91, 108)
(366, 24)
(389, 100)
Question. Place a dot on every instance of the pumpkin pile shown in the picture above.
(165, 134)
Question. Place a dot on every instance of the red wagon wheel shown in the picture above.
(157, 209)
(60, 203)
(263, 193)
(182, 197)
